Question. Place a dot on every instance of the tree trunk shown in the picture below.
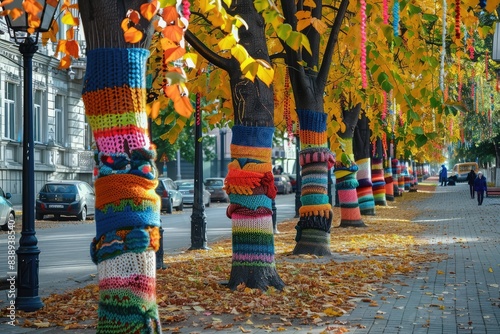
(362, 156)
(250, 181)
(345, 174)
(127, 207)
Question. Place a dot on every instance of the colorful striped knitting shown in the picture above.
(389, 184)
(251, 189)
(316, 214)
(378, 182)
(364, 190)
(396, 176)
(127, 206)
(407, 177)
(346, 184)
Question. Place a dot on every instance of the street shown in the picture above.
(65, 250)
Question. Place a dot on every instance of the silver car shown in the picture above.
(7, 213)
(170, 195)
(186, 187)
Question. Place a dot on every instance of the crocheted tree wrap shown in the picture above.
(316, 214)
(399, 179)
(365, 193)
(348, 198)
(250, 186)
(378, 182)
(406, 177)
(127, 206)
(389, 184)
(312, 130)
(114, 94)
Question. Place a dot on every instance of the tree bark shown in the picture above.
(127, 207)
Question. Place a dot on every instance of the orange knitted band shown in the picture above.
(252, 153)
(114, 188)
(323, 210)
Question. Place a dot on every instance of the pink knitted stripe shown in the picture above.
(267, 258)
(141, 285)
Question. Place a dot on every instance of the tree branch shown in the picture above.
(332, 41)
(205, 52)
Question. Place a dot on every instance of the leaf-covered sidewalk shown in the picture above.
(191, 291)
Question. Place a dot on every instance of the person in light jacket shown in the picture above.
(480, 187)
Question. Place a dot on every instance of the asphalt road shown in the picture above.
(65, 250)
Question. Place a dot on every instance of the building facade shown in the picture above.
(62, 135)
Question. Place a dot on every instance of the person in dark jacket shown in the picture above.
(470, 180)
(443, 175)
(480, 187)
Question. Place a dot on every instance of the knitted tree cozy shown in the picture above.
(127, 207)
(364, 190)
(378, 182)
(251, 189)
(316, 214)
(389, 183)
(346, 184)
(396, 176)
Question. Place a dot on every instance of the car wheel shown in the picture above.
(180, 207)
(169, 207)
(57, 217)
(39, 216)
(208, 204)
(83, 215)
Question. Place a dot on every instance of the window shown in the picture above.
(37, 117)
(10, 107)
(59, 130)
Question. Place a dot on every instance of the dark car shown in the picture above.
(282, 183)
(215, 186)
(66, 198)
(186, 187)
(7, 213)
(170, 195)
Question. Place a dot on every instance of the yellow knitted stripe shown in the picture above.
(118, 120)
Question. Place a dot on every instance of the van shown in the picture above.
(461, 170)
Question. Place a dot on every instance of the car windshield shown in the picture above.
(60, 188)
(211, 183)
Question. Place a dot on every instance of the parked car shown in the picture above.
(215, 185)
(66, 198)
(282, 183)
(293, 181)
(7, 213)
(170, 195)
(186, 187)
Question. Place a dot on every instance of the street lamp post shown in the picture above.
(21, 29)
(198, 217)
(222, 132)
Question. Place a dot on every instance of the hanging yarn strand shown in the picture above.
(395, 21)
(443, 48)
(363, 44)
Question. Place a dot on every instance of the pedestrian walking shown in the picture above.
(443, 175)
(480, 187)
(471, 177)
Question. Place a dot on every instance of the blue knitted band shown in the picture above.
(312, 120)
(252, 136)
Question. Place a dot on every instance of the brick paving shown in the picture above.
(457, 295)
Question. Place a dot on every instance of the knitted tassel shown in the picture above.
(364, 190)
(127, 206)
(378, 182)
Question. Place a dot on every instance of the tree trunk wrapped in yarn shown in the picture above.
(396, 177)
(378, 182)
(127, 206)
(364, 190)
(316, 214)
(251, 189)
(389, 182)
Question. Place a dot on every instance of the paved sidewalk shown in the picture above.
(457, 295)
